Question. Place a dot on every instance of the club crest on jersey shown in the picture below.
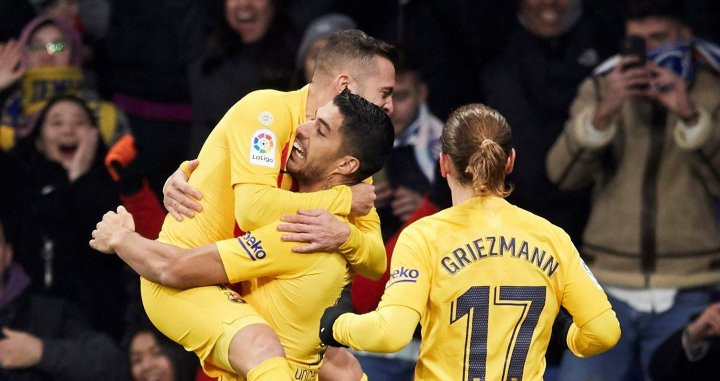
(403, 275)
(262, 148)
(252, 246)
(234, 296)
(265, 118)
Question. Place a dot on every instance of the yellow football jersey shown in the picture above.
(289, 290)
(488, 279)
(246, 146)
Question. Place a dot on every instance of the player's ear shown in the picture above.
(510, 164)
(444, 164)
(342, 81)
(347, 165)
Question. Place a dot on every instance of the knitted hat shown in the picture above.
(321, 27)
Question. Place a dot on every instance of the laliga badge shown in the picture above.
(265, 118)
(262, 148)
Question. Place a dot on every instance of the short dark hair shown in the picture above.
(642, 9)
(367, 133)
(352, 46)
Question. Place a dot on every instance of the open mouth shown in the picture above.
(298, 152)
(67, 150)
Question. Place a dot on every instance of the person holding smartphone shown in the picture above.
(645, 130)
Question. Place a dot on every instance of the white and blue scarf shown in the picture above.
(681, 58)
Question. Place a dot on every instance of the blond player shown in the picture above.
(484, 278)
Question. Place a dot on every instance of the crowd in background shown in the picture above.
(101, 100)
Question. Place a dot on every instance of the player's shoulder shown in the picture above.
(540, 225)
(430, 226)
(267, 101)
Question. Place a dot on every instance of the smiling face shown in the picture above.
(316, 146)
(545, 18)
(148, 362)
(250, 19)
(66, 124)
(47, 46)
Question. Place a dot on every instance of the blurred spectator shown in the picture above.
(51, 65)
(533, 79)
(58, 188)
(408, 175)
(154, 357)
(314, 39)
(409, 172)
(14, 14)
(692, 352)
(454, 39)
(252, 46)
(646, 134)
(149, 45)
(46, 338)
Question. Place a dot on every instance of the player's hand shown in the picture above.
(108, 231)
(363, 199)
(19, 350)
(179, 197)
(11, 67)
(405, 202)
(343, 305)
(321, 230)
(705, 326)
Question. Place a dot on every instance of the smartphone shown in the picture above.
(634, 46)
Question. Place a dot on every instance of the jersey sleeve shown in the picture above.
(261, 253)
(410, 273)
(388, 329)
(259, 129)
(364, 249)
(583, 297)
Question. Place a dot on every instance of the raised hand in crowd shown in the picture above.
(11, 67)
(626, 80)
(83, 159)
(669, 89)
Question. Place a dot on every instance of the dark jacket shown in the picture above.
(71, 349)
(50, 214)
(669, 361)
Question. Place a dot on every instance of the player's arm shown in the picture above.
(364, 248)
(595, 336)
(176, 267)
(387, 329)
(157, 262)
(259, 129)
(595, 328)
(391, 326)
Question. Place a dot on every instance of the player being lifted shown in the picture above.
(484, 278)
(243, 170)
(348, 141)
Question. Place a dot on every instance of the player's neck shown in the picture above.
(323, 184)
(459, 192)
